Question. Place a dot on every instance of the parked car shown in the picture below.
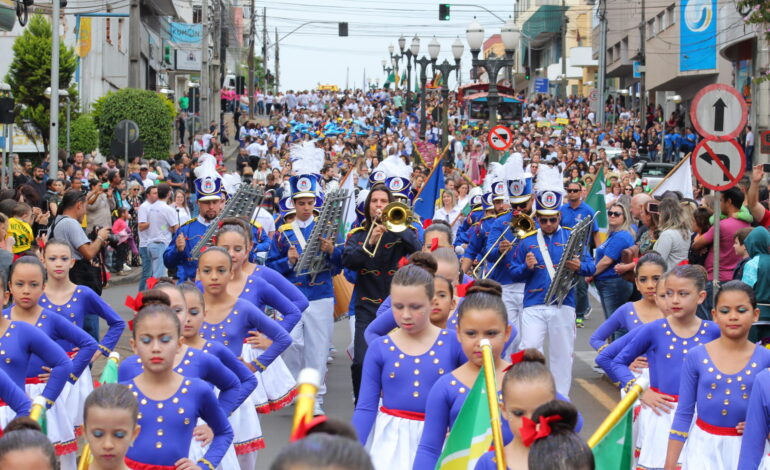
(652, 172)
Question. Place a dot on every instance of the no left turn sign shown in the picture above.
(718, 165)
(500, 137)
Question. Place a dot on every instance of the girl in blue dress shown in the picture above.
(666, 343)
(110, 414)
(400, 368)
(716, 381)
(27, 281)
(169, 403)
(276, 387)
(74, 302)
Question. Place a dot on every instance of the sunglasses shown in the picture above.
(519, 206)
(573, 190)
(548, 220)
(614, 214)
(629, 189)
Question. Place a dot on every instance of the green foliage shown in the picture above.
(84, 136)
(153, 113)
(757, 12)
(30, 74)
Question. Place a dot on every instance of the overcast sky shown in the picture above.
(315, 54)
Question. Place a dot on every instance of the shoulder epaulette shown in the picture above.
(502, 214)
(487, 217)
(188, 222)
(568, 228)
(529, 234)
(284, 227)
(476, 209)
(357, 229)
(256, 224)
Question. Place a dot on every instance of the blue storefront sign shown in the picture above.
(698, 35)
(541, 85)
(183, 33)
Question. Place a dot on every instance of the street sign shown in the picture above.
(541, 85)
(126, 130)
(718, 165)
(718, 112)
(500, 137)
(764, 141)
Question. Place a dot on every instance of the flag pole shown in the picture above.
(673, 170)
(308, 382)
(494, 407)
(616, 414)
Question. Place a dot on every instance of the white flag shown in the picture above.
(350, 207)
(679, 179)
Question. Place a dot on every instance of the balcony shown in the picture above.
(544, 24)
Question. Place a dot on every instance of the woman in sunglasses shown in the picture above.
(613, 290)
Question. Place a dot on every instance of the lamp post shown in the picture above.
(475, 37)
(406, 53)
(445, 68)
(65, 95)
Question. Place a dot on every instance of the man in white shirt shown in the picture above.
(162, 223)
(151, 196)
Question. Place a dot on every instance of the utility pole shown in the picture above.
(205, 87)
(215, 77)
(53, 139)
(134, 44)
(277, 70)
(564, 21)
(264, 50)
(252, 33)
(602, 60)
(642, 73)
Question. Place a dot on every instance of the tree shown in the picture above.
(30, 74)
(152, 112)
(84, 136)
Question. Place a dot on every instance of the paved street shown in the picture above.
(593, 395)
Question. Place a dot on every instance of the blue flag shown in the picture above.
(425, 204)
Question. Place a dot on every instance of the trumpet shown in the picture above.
(395, 217)
(520, 225)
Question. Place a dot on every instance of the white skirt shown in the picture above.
(276, 386)
(704, 450)
(393, 441)
(764, 464)
(247, 431)
(77, 397)
(652, 441)
(197, 451)
(61, 433)
(6, 415)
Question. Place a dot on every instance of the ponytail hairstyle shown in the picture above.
(651, 257)
(235, 225)
(24, 439)
(215, 249)
(736, 286)
(562, 448)
(413, 275)
(28, 259)
(156, 310)
(448, 255)
(155, 297)
(111, 397)
(425, 261)
(56, 242)
(484, 294)
(323, 451)
(528, 366)
(189, 286)
(695, 273)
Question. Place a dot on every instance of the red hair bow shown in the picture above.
(433, 245)
(517, 357)
(462, 289)
(531, 431)
(403, 262)
(427, 223)
(135, 303)
(151, 282)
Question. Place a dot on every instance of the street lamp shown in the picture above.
(510, 36)
(445, 68)
(63, 94)
(475, 37)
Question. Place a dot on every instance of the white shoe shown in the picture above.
(317, 410)
(126, 267)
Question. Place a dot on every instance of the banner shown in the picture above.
(678, 179)
(183, 33)
(188, 60)
(595, 200)
(698, 35)
(84, 37)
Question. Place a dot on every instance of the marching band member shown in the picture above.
(315, 328)
(666, 343)
(479, 232)
(535, 261)
(716, 380)
(397, 180)
(477, 213)
(74, 302)
(519, 186)
(373, 273)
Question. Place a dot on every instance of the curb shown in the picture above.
(130, 278)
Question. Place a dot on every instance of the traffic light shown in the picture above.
(443, 11)
(240, 85)
(343, 29)
(526, 72)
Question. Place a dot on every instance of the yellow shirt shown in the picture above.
(22, 235)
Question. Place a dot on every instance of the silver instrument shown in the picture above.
(564, 280)
(242, 204)
(312, 260)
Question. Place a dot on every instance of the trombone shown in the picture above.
(395, 217)
(521, 224)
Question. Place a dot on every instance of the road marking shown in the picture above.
(598, 394)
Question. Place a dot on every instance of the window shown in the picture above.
(108, 31)
(197, 15)
(120, 34)
(670, 16)
(651, 28)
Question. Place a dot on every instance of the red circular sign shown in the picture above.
(735, 127)
(724, 179)
(500, 137)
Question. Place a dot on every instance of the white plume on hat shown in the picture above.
(394, 166)
(207, 167)
(231, 182)
(549, 178)
(361, 198)
(514, 167)
(495, 172)
(306, 158)
(475, 191)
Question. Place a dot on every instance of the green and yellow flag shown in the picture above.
(595, 199)
(471, 433)
(616, 451)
